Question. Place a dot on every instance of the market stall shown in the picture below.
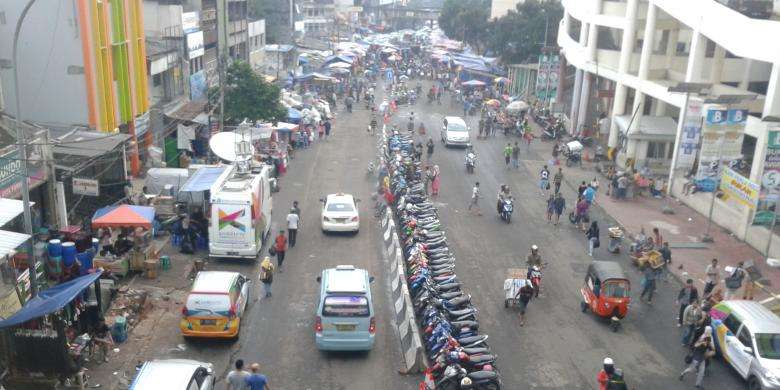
(52, 334)
(125, 239)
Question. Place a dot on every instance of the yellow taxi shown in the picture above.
(214, 306)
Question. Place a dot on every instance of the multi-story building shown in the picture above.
(626, 55)
(84, 62)
(410, 14)
(499, 8)
(318, 17)
(256, 43)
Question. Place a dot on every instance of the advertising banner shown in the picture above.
(770, 179)
(189, 22)
(740, 188)
(691, 134)
(195, 47)
(547, 77)
(721, 142)
(90, 187)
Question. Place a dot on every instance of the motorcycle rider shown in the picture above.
(410, 125)
(534, 258)
(373, 124)
(503, 193)
(471, 156)
(535, 276)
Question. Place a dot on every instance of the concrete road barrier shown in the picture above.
(405, 321)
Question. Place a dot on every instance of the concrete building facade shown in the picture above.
(499, 8)
(625, 56)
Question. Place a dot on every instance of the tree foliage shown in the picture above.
(248, 96)
(466, 20)
(518, 36)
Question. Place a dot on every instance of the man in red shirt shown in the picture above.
(605, 373)
(280, 246)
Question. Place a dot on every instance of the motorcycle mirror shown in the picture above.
(371, 279)
(319, 279)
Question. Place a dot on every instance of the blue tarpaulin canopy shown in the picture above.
(293, 115)
(50, 300)
(202, 179)
(338, 58)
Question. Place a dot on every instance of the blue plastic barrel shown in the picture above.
(85, 259)
(68, 253)
(55, 248)
(96, 244)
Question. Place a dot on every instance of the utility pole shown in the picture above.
(222, 47)
(21, 143)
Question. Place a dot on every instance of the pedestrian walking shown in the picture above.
(280, 247)
(544, 180)
(589, 194)
(429, 148)
(666, 256)
(593, 237)
(702, 350)
(267, 275)
(648, 283)
(524, 296)
(507, 154)
(711, 277)
(516, 156)
(687, 294)
(557, 179)
(528, 136)
(475, 195)
(692, 317)
(550, 207)
(236, 379)
(436, 181)
(293, 220)
(750, 284)
(559, 204)
(327, 126)
(581, 213)
(257, 381)
(734, 281)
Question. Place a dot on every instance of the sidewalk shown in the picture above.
(680, 229)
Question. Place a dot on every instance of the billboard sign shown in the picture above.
(195, 47)
(190, 22)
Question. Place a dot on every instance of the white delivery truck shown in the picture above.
(240, 212)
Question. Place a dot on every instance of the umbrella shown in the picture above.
(124, 216)
(474, 83)
(501, 80)
(493, 103)
(517, 106)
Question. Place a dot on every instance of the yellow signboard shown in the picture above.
(740, 188)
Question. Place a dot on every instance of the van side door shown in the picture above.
(734, 349)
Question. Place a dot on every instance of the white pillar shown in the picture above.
(626, 50)
(717, 64)
(745, 82)
(671, 47)
(577, 90)
(696, 57)
(648, 41)
(772, 101)
(660, 108)
(593, 35)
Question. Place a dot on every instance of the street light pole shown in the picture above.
(21, 143)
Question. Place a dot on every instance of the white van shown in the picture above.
(241, 207)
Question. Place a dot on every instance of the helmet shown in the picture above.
(535, 268)
(465, 381)
(534, 247)
(608, 362)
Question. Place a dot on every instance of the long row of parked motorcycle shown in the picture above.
(460, 356)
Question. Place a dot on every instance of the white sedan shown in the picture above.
(340, 213)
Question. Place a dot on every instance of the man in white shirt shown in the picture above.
(293, 220)
(236, 379)
(475, 195)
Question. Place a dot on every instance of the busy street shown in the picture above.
(386, 194)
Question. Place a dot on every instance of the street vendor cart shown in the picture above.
(130, 229)
(516, 279)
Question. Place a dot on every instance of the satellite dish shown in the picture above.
(231, 146)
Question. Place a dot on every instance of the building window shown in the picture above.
(157, 80)
(656, 149)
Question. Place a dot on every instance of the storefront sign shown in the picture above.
(547, 77)
(198, 86)
(189, 22)
(740, 188)
(195, 47)
(11, 168)
(691, 134)
(89, 187)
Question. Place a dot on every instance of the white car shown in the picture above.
(174, 374)
(340, 213)
(454, 131)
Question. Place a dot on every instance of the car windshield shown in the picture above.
(768, 345)
(345, 306)
(452, 126)
(615, 289)
(208, 304)
(340, 207)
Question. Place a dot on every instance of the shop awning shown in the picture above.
(10, 209)
(9, 241)
(124, 216)
(87, 144)
(50, 300)
(651, 128)
(202, 179)
(191, 112)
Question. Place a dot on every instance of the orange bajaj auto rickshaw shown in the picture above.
(605, 292)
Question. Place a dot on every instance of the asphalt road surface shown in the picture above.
(559, 346)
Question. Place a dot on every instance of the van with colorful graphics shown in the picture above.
(240, 213)
(747, 335)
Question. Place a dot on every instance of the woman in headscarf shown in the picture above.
(436, 181)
